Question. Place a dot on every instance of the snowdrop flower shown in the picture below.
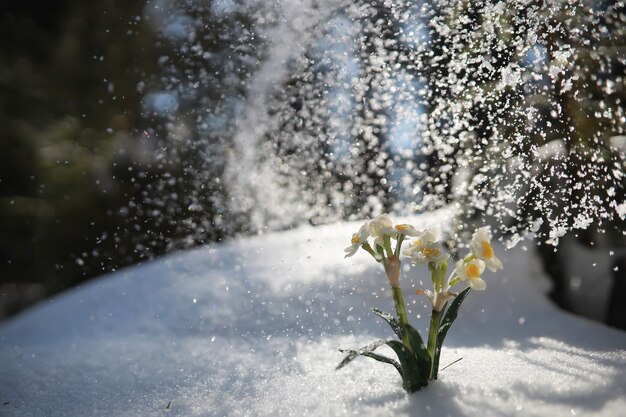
(481, 249)
(426, 249)
(358, 239)
(471, 272)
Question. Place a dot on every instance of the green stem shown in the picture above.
(454, 281)
(387, 242)
(366, 246)
(399, 244)
(380, 251)
(402, 316)
(439, 276)
(433, 332)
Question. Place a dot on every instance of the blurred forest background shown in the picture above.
(73, 155)
(119, 125)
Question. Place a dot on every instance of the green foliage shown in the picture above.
(385, 359)
(414, 361)
(420, 353)
(391, 320)
(412, 377)
(448, 318)
(368, 351)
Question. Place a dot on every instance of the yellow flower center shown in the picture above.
(487, 250)
(355, 239)
(472, 271)
(403, 227)
(430, 252)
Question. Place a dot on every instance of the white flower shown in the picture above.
(481, 249)
(428, 235)
(382, 226)
(379, 241)
(429, 252)
(358, 239)
(471, 272)
(423, 238)
(406, 230)
(425, 248)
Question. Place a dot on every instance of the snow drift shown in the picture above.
(252, 327)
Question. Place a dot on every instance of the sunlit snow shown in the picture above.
(252, 327)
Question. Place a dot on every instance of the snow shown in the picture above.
(252, 327)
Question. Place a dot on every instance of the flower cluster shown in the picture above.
(419, 363)
(383, 231)
(425, 248)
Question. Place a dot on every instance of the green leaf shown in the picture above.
(353, 353)
(384, 359)
(368, 351)
(447, 321)
(419, 351)
(411, 377)
(393, 322)
(452, 313)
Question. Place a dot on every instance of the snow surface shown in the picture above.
(252, 327)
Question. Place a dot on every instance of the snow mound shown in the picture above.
(252, 327)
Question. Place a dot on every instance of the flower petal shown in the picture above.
(380, 225)
(406, 230)
(351, 250)
(477, 284)
(460, 270)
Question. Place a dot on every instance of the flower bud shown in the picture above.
(392, 269)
